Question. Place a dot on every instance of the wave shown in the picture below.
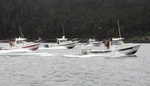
(55, 47)
(111, 54)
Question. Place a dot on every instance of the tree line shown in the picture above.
(78, 18)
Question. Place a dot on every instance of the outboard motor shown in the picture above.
(46, 46)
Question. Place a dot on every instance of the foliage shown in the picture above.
(79, 18)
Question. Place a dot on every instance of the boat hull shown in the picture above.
(69, 45)
(128, 50)
(32, 47)
(96, 44)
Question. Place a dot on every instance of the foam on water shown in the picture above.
(79, 55)
(37, 54)
(22, 52)
(15, 51)
(26, 52)
(111, 54)
(55, 47)
(114, 54)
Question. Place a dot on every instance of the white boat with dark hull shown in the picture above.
(63, 42)
(114, 45)
(21, 43)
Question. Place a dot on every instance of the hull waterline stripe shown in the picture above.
(30, 46)
(126, 49)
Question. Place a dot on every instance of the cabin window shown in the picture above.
(115, 43)
(112, 42)
(18, 42)
(62, 41)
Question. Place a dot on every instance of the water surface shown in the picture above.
(67, 67)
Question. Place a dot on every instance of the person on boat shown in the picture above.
(11, 43)
(110, 38)
(106, 43)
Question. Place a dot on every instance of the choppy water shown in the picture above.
(63, 67)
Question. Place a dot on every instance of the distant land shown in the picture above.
(139, 39)
(136, 39)
(82, 19)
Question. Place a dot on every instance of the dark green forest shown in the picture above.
(78, 18)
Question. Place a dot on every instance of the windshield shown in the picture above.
(115, 43)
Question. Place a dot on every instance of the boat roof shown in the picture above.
(115, 39)
(63, 38)
(20, 39)
(91, 39)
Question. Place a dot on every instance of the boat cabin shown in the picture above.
(116, 41)
(92, 40)
(20, 40)
(109, 43)
(61, 40)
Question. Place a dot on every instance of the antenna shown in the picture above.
(118, 28)
(21, 31)
(63, 31)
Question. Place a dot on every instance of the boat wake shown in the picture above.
(79, 55)
(111, 54)
(54, 47)
(15, 51)
(115, 54)
(22, 52)
(26, 52)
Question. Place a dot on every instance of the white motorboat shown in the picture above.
(93, 42)
(63, 42)
(21, 43)
(114, 45)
